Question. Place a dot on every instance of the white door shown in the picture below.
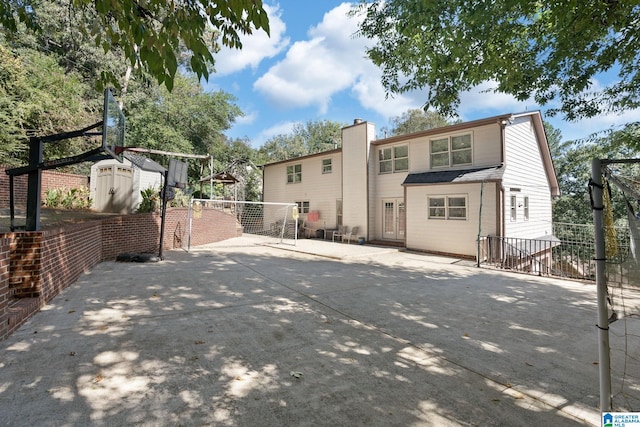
(393, 219)
(113, 189)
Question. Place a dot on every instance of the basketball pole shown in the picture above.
(164, 213)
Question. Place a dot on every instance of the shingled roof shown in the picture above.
(493, 173)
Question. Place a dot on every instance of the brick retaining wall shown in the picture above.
(35, 266)
(50, 180)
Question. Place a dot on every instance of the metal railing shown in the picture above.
(567, 253)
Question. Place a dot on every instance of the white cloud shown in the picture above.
(247, 119)
(283, 128)
(482, 101)
(314, 70)
(372, 95)
(255, 47)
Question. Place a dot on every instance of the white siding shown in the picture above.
(487, 149)
(320, 189)
(448, 235)
(355, 160)
(525, 176)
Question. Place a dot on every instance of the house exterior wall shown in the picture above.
(515, 142)
(525, 176)
(320, 189)
(487, 148)
(450, 236)
(356, 141)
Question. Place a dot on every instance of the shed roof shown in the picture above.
(144, 163)
(493, 173)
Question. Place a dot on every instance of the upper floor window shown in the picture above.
(451, 151)
(326, 166)
(394, 159)
(294, 173)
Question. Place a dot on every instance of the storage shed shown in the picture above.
(116, 187)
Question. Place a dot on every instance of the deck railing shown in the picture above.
(568, 253)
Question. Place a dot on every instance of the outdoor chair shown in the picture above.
(342, 230)
(353, 233)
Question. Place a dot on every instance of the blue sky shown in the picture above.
(314, 68)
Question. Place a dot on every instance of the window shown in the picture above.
(394, 159)
(338, 212)
(294, 174)
(401, 158)
(448, 207)
(326, 166)
(457, 207)
(514, 215)
(303, 207)
(386, 163)
(437, 208)
(451, 151)
(526, 208)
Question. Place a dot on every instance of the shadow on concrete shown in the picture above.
(257, 336)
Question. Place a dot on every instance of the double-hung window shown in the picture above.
(448, 207)
(294, 174)
(303, 207)
(394, 159)
(450, 151)
(326, 166)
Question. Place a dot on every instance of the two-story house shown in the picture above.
(436, 190)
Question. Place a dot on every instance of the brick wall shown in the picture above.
(5, 248)
(50, 180)
(36, 266)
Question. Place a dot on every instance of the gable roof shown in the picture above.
(493, 173)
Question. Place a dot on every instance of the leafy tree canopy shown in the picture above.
(546, 50)
(309, 138)
(572, 161)
(152, 33)
(415, 120)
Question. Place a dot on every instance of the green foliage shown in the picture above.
(546, 50)
(572, 162)
(416, 120)
(186, 120)
(151, 201)
(151, 34)
(67, 198)
(312, 137)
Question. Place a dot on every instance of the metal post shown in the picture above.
(601, 285)
(34, 182)
(164, 213)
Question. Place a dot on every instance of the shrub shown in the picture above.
(67, 198)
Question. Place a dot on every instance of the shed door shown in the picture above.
(113, 189)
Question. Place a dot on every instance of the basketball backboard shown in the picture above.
(113, 127)
(177, 174)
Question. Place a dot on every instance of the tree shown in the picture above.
(186, 120)
(309, 138)
(416, 120)
(37, 97)
(572, 162)
(151, 33)
(545, 50)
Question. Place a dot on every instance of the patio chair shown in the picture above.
(342, 230)
(353, 233)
